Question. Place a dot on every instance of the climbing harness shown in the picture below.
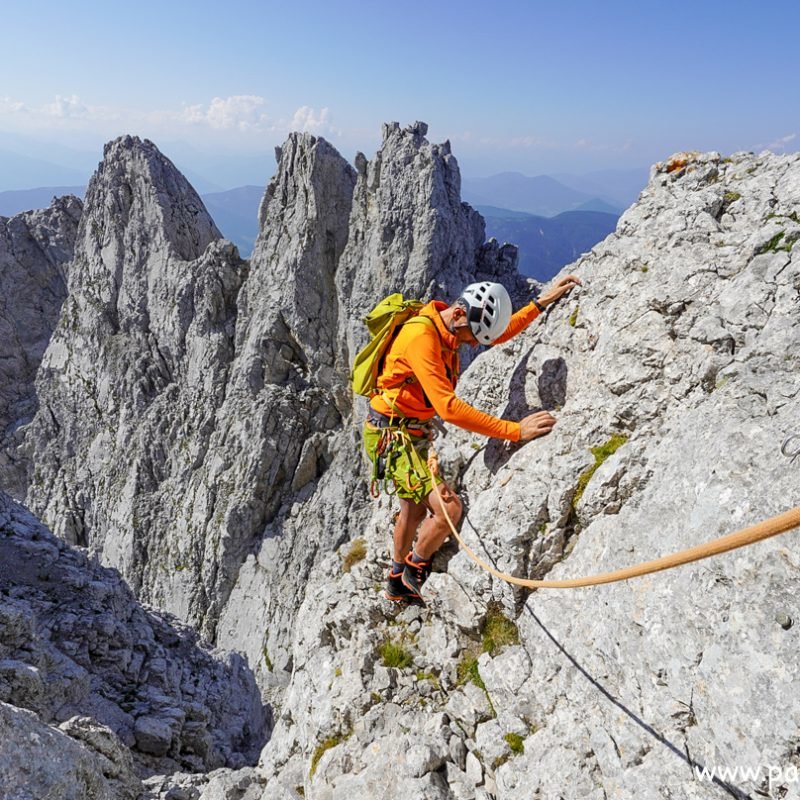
(785, 447)
(746, 536)
(399, 439)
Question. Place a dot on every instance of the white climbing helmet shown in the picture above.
(488, 310)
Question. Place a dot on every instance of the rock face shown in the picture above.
(137, 366)
(77, 650)
(678, 363)
(38, 760)
(192, 403)
(196, 430)
(35, 248)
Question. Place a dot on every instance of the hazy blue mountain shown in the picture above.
(546, 244)
(540, 195)
(28, 160)
(218, 171)
(597, 204)
(236, 215)
(620, 187)
(19, 200)
(18, 171)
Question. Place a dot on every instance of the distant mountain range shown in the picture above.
(567, 221)
(541, 195)
(236, 214)
(610, 191)
(546, 244)
(620, 187)
(25, 162)
(18, 200)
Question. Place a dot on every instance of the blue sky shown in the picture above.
(523, 86)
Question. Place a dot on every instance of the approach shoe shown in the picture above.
(415, 574)
(397, 591)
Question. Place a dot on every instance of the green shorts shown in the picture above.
(402, 468)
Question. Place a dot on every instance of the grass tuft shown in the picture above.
(356, 553)
(395, 655)
(428, 676)
(600, 453)
(467, 670)
(573, 318)
(323, 747)
(498, 631)
(515, 742)
(773, 245)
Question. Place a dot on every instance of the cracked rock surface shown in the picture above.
(35, 249)
(92, 665)
(681, 349)
(196, 431)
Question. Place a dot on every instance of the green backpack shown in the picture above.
(382, 322)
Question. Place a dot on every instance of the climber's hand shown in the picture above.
(562, 287)
(535, 425)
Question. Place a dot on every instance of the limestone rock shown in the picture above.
(37, 760)
(35, 249)
(191, 404)
(405, 229)
(221, 784)
(75, 642)
(230, 488)
(682, 345)
(138, 365)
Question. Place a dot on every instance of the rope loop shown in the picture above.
(742, 538)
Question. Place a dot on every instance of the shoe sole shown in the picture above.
(414, 600)
(414, 590)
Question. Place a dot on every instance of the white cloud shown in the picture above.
(10, 106)
(306, 119)
(222, 120)
(67, 107)
(245, 113)
(240, 112)
(779, 145)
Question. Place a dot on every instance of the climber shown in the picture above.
(417, 381)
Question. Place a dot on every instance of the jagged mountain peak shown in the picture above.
(138, 200)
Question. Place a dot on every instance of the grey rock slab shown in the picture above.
(89, 655)
(610, 686)
(37, 760)
(35, 250)
(195, 429)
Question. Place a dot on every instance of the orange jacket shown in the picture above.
(431, 356)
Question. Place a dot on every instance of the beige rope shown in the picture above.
(746, 536)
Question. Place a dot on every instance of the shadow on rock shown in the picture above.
(552, 390)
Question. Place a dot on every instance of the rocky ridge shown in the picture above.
(139, 691)
(35, 249)
(675, 363)
(192, 402)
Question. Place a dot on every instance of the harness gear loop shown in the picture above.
(746, 536)
(395, 442)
